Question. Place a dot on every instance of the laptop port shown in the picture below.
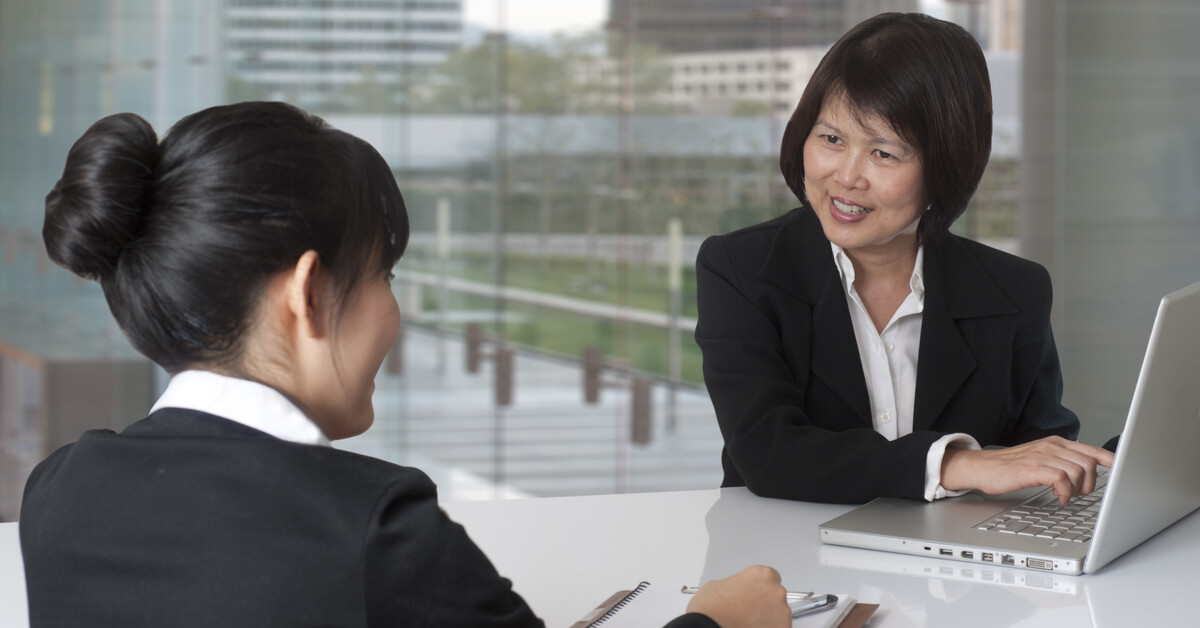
(1039, 563)
(946, 552)
(987, 557)
(1007, 559)
(968, 555)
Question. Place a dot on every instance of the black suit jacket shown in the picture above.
(783, 370)
(188, 519)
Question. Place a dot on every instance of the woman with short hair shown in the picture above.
(854, 348)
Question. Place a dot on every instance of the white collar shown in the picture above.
(916, 283)
(240, 400)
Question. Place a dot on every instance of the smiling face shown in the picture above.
(864, 182)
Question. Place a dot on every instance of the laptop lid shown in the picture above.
(1155, 477)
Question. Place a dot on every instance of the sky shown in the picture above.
(536, 17)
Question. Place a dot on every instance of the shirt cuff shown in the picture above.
(933, 464)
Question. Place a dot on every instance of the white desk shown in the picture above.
(567, 554)
(12, 579)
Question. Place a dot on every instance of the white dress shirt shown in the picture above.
(240, 400)
(889, 360)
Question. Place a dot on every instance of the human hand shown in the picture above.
(753, 598)
(1067, 466)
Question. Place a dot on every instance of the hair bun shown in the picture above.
(97, 207)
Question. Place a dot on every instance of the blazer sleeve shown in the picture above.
(763, 403)
(1036, 365)
(692, 620)
(421, 568)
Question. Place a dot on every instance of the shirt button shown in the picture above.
(889, 347)
(885, 417)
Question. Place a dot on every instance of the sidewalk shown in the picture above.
(439, 418)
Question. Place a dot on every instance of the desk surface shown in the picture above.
(12, 579)
(567, 554)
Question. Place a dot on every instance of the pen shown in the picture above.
(814, 604)
(791, 595)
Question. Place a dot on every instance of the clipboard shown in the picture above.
(648, 606)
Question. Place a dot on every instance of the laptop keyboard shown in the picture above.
(1042, 516)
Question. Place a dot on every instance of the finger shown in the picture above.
(1090, 457)
(1079, 460)
(1081, 468)
(763, 572)
(1098, 455)
(1051, 463)
(1082, 474)
(1061, 482)
(1102, 456)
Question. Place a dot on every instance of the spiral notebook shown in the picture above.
(650, 606)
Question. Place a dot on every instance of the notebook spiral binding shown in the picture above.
(612, 612)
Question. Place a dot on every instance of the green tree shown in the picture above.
(464, 83)
(238, 89)
(751, 108)
(371, 95)
(567, 75)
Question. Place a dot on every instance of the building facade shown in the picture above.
(676, 26)
(755, 81)
(686, 26)
(336, 55)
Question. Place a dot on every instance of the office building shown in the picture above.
(703, 25)
(741, 81)
(336, 55)
(856, 11)
(685, 26)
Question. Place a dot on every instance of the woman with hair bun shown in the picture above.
(249, 253)
(854, 348)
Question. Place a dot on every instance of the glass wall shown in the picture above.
(1111, 194)
(562, 162)
(64, 365)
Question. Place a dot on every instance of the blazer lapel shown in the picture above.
(835, 358)
(800, 263)
(945, 360)
(957, 287)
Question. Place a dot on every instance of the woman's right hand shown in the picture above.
(751, 598)
(1067, 466)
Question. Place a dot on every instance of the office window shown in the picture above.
(560, 185)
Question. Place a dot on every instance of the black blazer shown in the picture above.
(188, 519)
(783, 370)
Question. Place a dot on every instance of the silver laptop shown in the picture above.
(1154, 481)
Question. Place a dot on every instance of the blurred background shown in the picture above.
(561, 162)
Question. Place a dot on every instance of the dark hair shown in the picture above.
(184, 234)
(928, 80)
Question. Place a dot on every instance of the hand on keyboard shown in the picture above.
(1067, 466)
(1042, 516)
